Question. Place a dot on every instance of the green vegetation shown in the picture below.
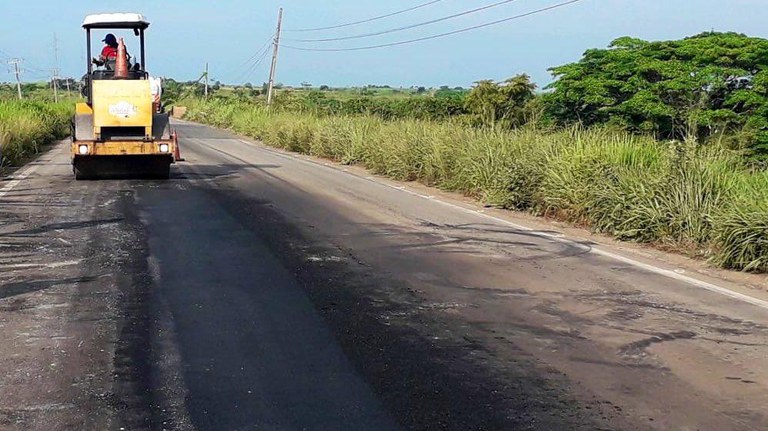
(390, 107)
(710, 86)
(701, 200)
(27, 125)
(508, 104)
(383, 101)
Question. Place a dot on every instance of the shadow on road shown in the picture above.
(20, 288)
(61, 226)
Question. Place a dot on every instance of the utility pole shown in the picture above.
(55, 72)
(271, 88)
(15, 62)
(55, 84)
(55, 51)
(69, 92)
(206, 80)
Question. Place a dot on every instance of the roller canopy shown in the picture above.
(116, 21)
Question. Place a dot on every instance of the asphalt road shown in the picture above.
(258, 290)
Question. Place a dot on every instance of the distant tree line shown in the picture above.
(709, 86)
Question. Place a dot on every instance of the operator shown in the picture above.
(109, 52)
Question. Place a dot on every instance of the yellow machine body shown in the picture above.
(120, 134)
(122, 103)
(121, 129)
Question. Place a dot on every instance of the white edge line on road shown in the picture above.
(24, 173)
(598, 251)
(18, 177)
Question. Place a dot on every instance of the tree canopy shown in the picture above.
(506, 103)
(712, 84)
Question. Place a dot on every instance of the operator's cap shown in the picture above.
(110, 39)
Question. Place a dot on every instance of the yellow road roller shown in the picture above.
(120, 130)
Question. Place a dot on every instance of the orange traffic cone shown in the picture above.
(176, 151)
(121, 63)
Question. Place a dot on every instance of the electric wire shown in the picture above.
(463, 30)
(254, 68)
(366, 20)
(407, 27)
(255, 65)
(258, 53)
(252, 65)
(245, 65)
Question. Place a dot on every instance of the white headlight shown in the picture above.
(164, 148)
(83, 149)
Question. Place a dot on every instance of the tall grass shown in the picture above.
(698, 200)
(26, 125)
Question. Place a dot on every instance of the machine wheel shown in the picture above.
(162, 173)
(80, 175)
(158, 168)
(122, 167)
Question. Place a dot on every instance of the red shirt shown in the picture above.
(109, 52)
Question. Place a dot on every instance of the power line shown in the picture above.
(245, 64)
(34, 68)
(408, 27)
(30, 67)
(262, 54)
(254, 66)
(34, 73)
(367, 20)
(264, 47)
(463, 30)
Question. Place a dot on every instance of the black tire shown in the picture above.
(163, 173)
(158, 169)
(84, 169)
(80, 175)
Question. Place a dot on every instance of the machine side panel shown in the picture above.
(161, 126)
(84, 127)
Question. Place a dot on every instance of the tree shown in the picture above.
(505, 103)
(693, 88)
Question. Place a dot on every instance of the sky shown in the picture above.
(185, 34)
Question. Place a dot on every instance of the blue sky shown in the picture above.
(185, 34)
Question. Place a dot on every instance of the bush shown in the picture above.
(25, 126)
(388, 108)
